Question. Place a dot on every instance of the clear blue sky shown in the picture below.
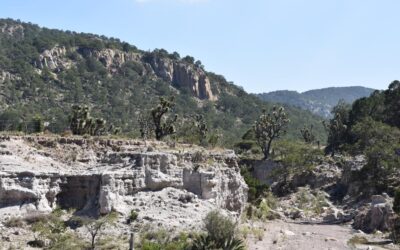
(262, 45)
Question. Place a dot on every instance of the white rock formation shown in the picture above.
(98, 176)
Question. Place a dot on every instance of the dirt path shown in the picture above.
(292, 236)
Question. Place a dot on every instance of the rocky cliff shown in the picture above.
(176, 72)
(162, 184)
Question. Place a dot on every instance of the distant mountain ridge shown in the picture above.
(318, 101)
(44, 72)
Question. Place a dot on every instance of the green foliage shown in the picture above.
(133, 216)
(201, 129)
(54, 229)
(256, 188)
(163, 125)
(262, 210)
(82, 123)
(95, 226)
(367, 133)
(37, 124)
(380, 143)
(10, 121)
(145, 126)
(318, 101)
(396, 203)
(297, 156)
(118, 94)
(207, 242)
(337, 128)
(162, 240)
(268, 127)
(220, 234)
(307, 134)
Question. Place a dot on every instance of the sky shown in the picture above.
(261, 45)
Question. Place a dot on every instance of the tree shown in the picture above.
(145, 126)
(37, 124)
(82, 123)
(270, 126)
(201, 128)
(337, 128)
(307, 134)
(392, 103)
(163, 125)
(96, 226)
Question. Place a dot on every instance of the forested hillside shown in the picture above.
(44, 72)
(371, 127)
(318, 101)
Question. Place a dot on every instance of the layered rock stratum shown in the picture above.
(173, 186)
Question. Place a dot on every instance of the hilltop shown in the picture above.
(318, 101)
(43, 72)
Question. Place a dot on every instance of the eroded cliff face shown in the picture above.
(178, 73)
(164, 185)
(184, 75)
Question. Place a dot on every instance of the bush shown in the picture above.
(132, 216)
(297, 156)
(14, 222)
(256, 188)
(219, 226)
(220, 234)
(162, 240)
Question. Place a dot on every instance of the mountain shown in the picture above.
(43, 72)
(318, 101)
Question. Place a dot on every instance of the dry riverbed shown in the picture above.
(289, 235)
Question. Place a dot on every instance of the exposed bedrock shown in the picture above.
(103, 176)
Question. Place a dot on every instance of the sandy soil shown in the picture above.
(288, 236)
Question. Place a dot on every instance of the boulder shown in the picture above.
(377, 215)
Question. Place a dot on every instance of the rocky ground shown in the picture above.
(283, 235)
(173, 187)
(168, 186)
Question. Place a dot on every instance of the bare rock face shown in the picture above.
(96, 177)
(113, 59)
(178, 73)
(14, 30)
(377, 215)
(184, 75)
(54, 59)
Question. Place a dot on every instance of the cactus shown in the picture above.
(163, 126)
(201, 128)
(307, 134)
(82, 123)
(269, 127)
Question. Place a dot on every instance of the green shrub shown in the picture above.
(256, 188)
(132, 216)
(218, 226)
(297, 156)
(220, 234)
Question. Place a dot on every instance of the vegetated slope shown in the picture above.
(318, 101)
(45, 71)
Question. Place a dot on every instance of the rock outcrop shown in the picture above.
(176, 72)
(377, 215)
(54, 59)
(183, 75)
(98, 176)
(15, 30)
